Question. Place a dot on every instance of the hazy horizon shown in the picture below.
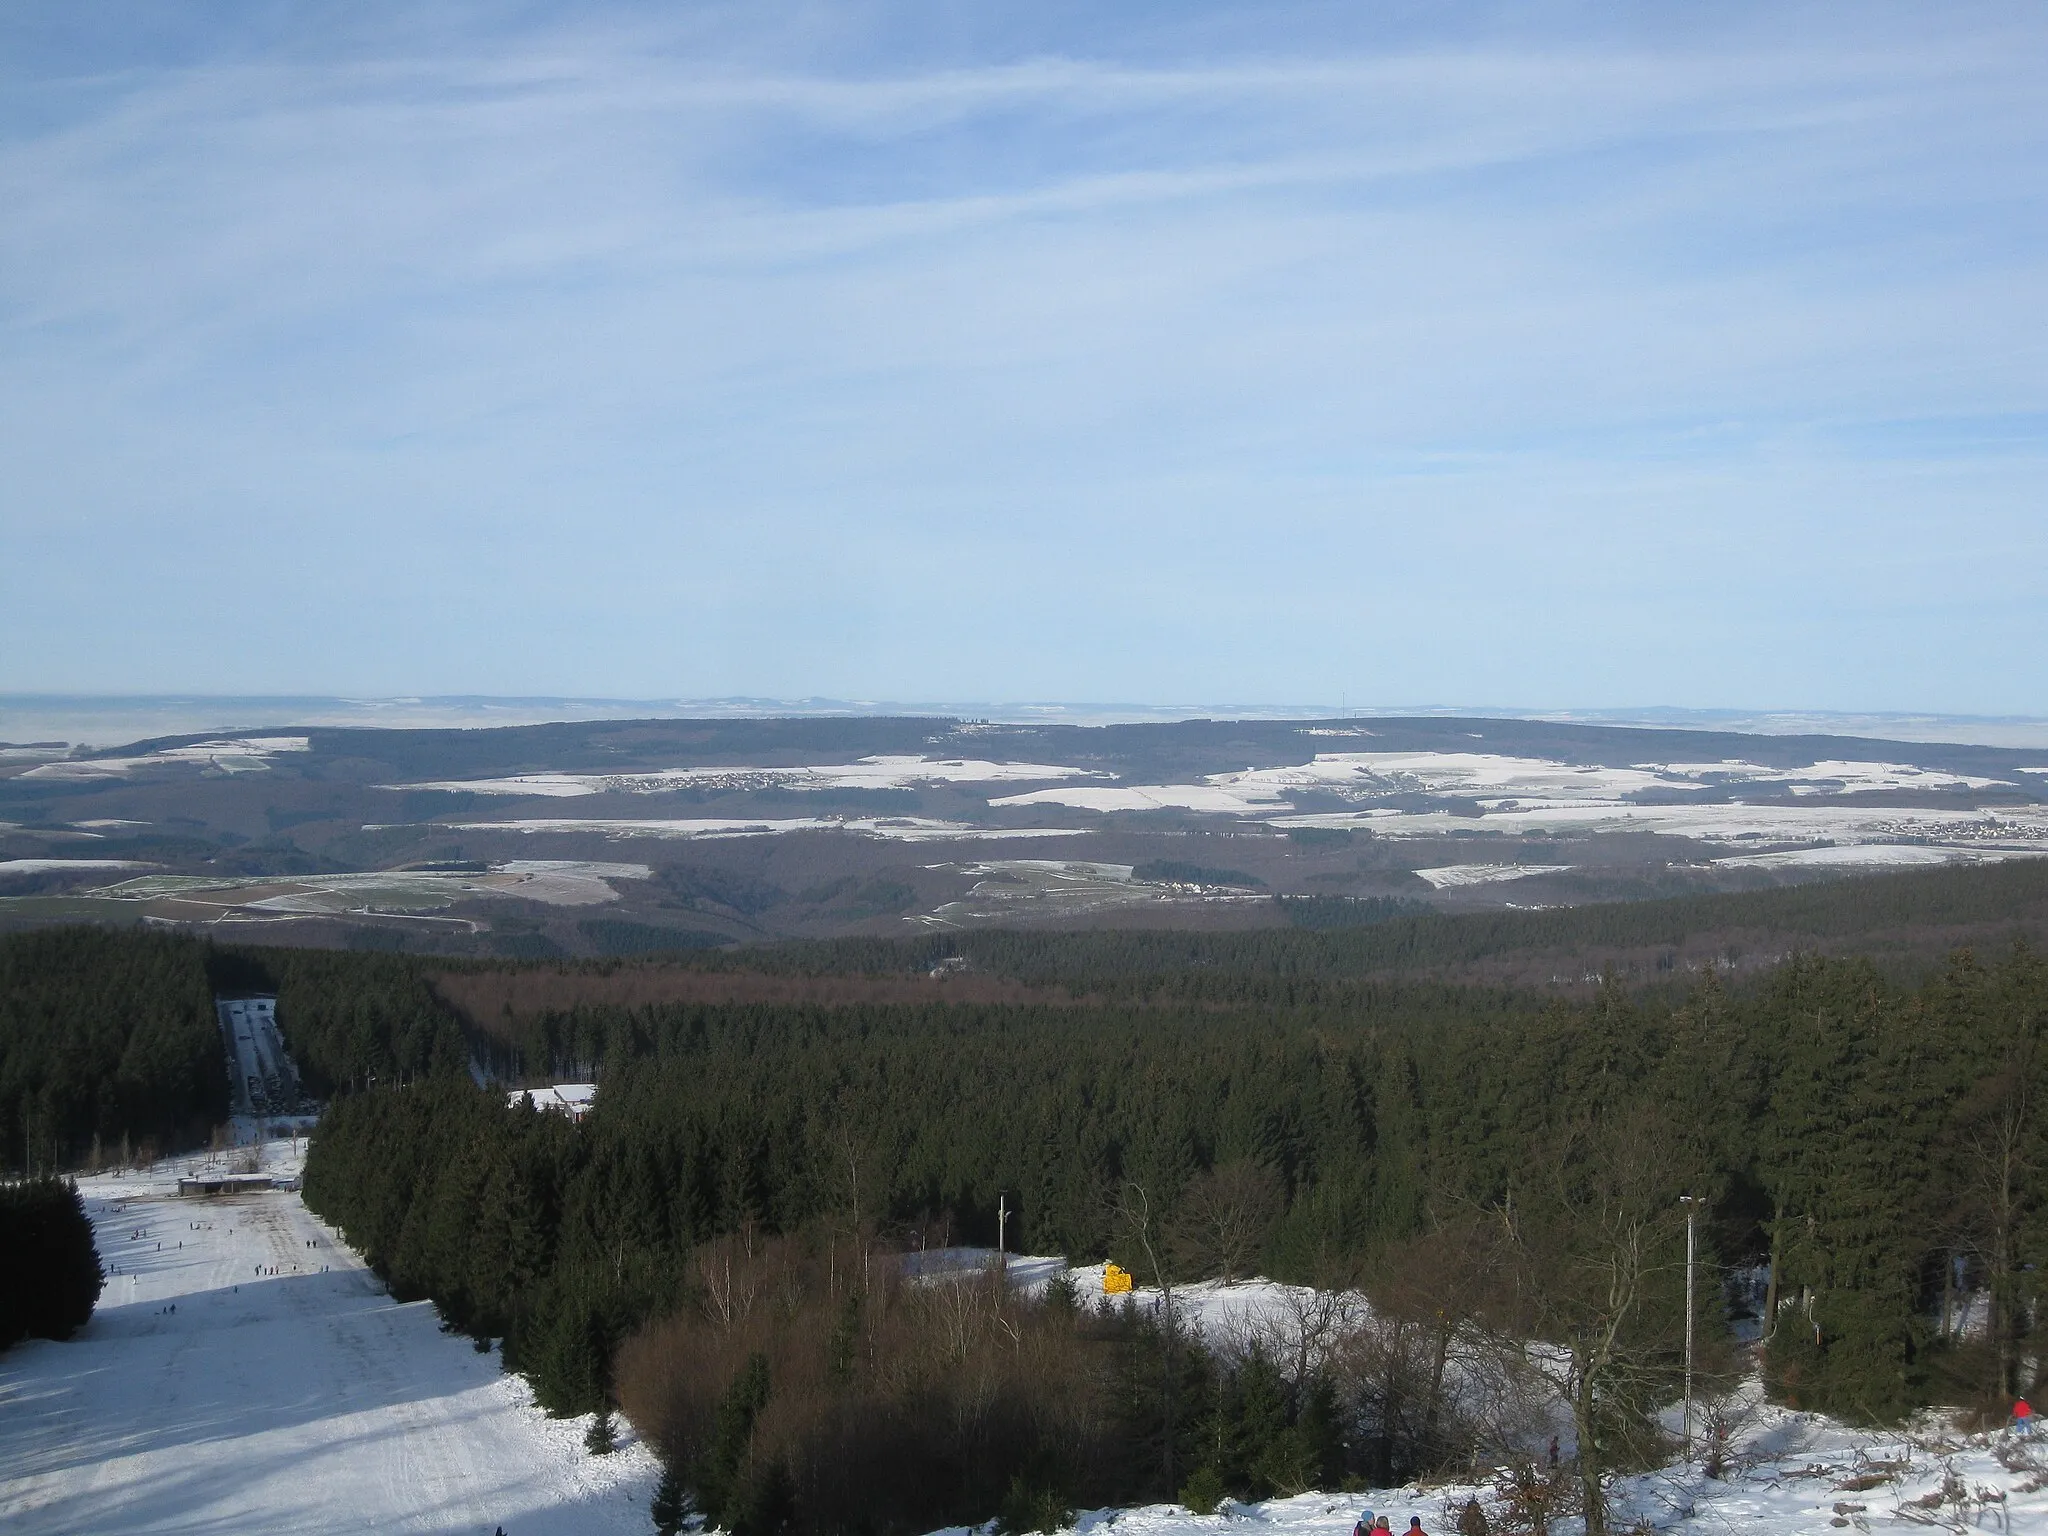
(917, 351)
(105, 720)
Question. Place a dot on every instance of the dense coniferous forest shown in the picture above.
(1867, 1141)
(110, 1051)
(105, 1038)
(1390, 936)
(1863, 1135)
(50, 1274)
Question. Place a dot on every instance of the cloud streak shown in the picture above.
(773, 357)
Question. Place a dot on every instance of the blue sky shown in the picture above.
(1538, 356)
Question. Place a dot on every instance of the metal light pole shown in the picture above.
(1692, 1205)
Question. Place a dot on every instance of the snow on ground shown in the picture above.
(1784, 1480)
(1497, 782)
(899, 829)
(1832, 776)
(243, 754)
(1873, 856)
(1447, 876)
(303, 1401)
(868, 773)
(1064, 888)
(307, 1401)
(47, 866)
(1454, 773)
(2006, 826)
(1214, 798)
(553, 882)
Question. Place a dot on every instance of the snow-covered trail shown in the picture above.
(300, 1400)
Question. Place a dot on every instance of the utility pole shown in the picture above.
(1692, 1205)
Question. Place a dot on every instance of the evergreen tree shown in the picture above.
(50, 1276)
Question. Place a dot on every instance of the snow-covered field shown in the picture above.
(242, 754)
(47, 866)
(282, 898)
(894, 829)
(868, 773)
(298, 1400)
(1064, 888)
(1835, 800)
(1451, 876)
(1495, 781)
(2017, 828)
(1870, 856)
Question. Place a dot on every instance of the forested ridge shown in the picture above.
(1131, 962)
(108, 1034)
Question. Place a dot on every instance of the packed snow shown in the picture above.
(899, 772)
(286, 1393)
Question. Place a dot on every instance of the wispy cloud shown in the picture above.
(1560, 364)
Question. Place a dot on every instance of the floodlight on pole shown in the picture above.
(1692, 1205)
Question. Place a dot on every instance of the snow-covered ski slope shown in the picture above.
(304, 1400)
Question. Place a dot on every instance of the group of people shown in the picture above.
(1369, 1524)
(1473, 1521)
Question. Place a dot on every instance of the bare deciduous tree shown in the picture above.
(1583, 1252)
(1225, 1218)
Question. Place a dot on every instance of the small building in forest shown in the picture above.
(232, 1183)
(572, 1099)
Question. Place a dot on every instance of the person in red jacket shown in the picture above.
(2022, 1419)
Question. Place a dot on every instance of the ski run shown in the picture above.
(245, 1373)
